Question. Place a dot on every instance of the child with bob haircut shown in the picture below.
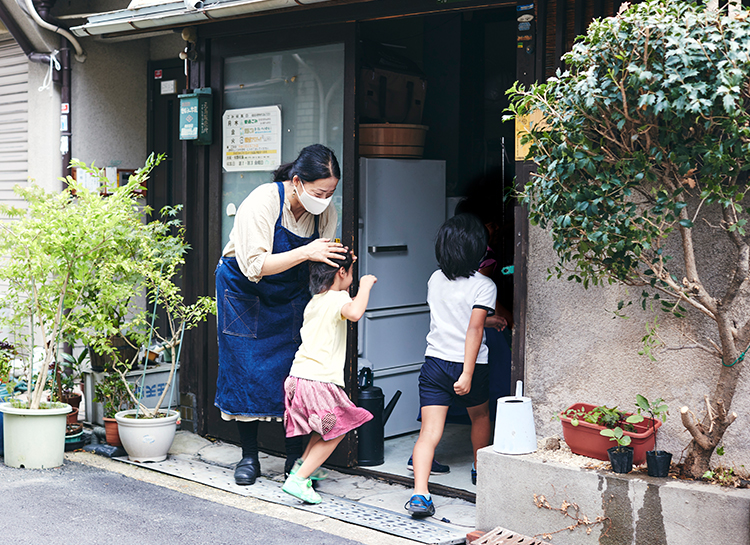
(455, 371)
(315, 400)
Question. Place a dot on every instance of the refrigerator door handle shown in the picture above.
(384, 249)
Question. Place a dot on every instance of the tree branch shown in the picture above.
(695, 428)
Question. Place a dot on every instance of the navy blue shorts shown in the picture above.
(436, 384)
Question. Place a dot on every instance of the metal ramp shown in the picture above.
(332, 506)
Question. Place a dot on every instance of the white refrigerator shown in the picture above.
(402, 206)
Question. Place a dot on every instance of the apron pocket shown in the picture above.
(240, 314)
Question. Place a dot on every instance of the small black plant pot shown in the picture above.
(658, 462)
(621, 459)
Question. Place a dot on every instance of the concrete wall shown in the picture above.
(578, 351)
(45, 159)
(634, 509)
(109, 104)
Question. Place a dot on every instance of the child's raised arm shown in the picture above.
(471, 348)
(353, 311)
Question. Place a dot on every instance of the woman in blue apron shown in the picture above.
(262, 290)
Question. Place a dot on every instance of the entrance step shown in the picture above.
(353, 512)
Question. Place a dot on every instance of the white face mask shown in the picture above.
(314, 205)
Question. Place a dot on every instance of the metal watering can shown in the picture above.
(371, 441)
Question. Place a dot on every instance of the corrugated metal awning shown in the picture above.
(153, 14)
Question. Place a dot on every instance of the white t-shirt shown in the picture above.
(322, 354)
(451, 303)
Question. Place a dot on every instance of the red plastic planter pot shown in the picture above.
(584, 439)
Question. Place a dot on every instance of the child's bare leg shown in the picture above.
(481, 427)
(314, 438)
(433, 422)
(319, 453)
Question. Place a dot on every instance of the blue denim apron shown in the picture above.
(258, 328)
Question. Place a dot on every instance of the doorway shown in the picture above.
(299, 82)
(468, 60)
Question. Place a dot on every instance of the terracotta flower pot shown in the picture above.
(73, 416)
(72, 399)
(584, 439)
(112, 431)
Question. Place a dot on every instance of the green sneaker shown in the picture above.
(317, 475)
(301, 489)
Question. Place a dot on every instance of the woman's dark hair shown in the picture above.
(314, 162)
(460, 245)
(322, 274)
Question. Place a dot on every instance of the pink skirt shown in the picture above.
(321, 407)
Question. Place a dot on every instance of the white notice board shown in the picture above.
(251, 138)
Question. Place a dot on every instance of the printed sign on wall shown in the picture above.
(251, 138)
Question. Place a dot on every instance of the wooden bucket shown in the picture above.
(392, 140)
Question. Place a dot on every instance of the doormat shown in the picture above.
(332, 506)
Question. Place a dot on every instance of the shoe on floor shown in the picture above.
(419, 506)
(437, 468)
(317, 475)
(473, 476)
(247, 470)
(301, 489)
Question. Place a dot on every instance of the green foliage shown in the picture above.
(7, 353)
(617, 436)
(74, 262)
(657, 409)
(646, 132)
(112, 393)
(723, 476)
(605, 416)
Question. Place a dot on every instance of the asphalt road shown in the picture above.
(83, 504)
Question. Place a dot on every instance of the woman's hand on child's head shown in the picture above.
(463, 385)
(324, 249)
(367, 281)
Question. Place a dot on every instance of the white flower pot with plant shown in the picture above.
(70, 258)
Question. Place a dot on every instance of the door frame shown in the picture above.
(220, 48)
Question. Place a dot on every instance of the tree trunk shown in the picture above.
(708, 433)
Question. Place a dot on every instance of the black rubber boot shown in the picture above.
(247, 470)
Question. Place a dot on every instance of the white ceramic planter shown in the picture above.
(34, 438)
(147, 439)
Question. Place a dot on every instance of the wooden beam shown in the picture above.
(560, 24)
(598, 9)
(578, 16)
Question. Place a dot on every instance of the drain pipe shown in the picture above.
(52, 26)
(44, 19)
(21, 39)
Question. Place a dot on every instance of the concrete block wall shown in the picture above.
(634, 509)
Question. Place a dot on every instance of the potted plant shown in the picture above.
(65, 255)
(620, 456)
(657, 461)
(147, 433)
(583, 422)
(112, 393)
